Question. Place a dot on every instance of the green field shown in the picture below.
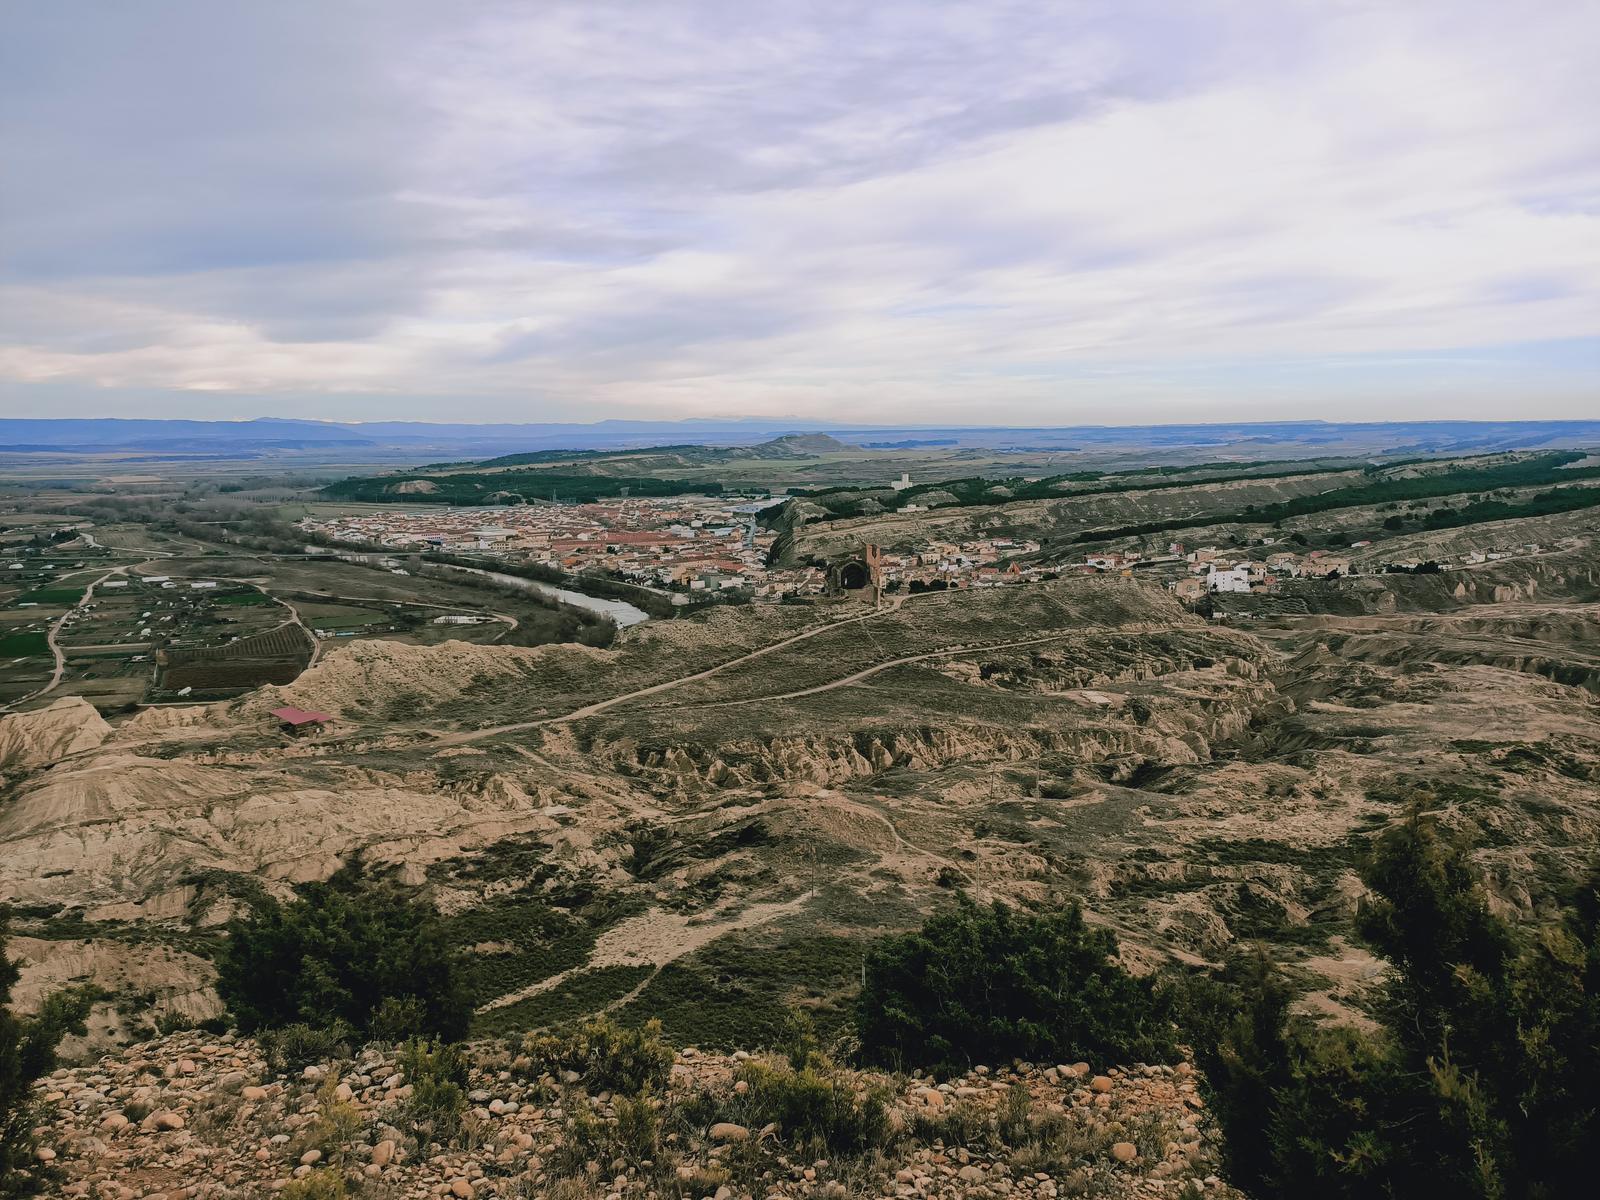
(350, 622)
(18, 645)
(242, 598)
(62, 595)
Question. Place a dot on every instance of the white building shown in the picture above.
(1235, 580)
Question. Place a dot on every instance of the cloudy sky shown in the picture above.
(1030, 211)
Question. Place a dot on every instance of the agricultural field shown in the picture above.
(39, 584)
(140, 614)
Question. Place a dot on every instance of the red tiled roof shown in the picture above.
(299, 716)
(641, 538)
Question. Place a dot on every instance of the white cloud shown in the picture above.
(1029, 212)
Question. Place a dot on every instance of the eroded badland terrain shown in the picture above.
(706, 821)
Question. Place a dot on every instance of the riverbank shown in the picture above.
(653, 602)
(620, 611)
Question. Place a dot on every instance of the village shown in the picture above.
(708, 544)
(682, 543)
(1207, 570)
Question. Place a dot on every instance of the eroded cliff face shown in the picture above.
(29, 740)
(1121, 730)
(122, 830)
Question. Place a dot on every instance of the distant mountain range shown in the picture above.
(425, 441)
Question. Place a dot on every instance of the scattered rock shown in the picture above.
(168, 1145)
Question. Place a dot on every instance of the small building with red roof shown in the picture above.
(295, 721)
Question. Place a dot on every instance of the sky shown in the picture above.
(906, 211)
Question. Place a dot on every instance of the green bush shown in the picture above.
(982, 985)
(336, 1125)
(399, 1019)
(1484, 1083)
(585, 1138)
(326, 1184)
(295, 1047)
(351, 953)
(637, 1135)
(606, 1055)
(797, 1038)
(1031, 1138)
(28, 1052)
(816, 1107)
(437, 1074)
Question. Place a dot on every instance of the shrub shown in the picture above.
(990, 984)
(797, 1037)
(326, 1184)
(638, 1128)
(28, 1052)
(424, 1060)
(1486, 1082)
(815, 1107)
(963, 1123)
(398, 1019)
(1043, 1137)
(295, 1047)
(349, 953)
(584, 1139)
(336, 1126)
(607, 1056)
(438, 1078)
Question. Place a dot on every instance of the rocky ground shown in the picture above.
(202, 1117)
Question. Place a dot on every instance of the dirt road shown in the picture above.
(55, 647)
(599, 706)
(847, 680)
(295, 619)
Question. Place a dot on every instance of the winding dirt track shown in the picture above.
(599, 706)
(884, 666)
(55, 628)
(296, 620)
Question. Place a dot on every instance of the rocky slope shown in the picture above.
(192, 1117)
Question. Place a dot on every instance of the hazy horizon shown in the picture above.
(1023, 213)
(807, 424)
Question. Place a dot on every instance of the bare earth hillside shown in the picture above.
(718, 812)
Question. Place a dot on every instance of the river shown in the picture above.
(620, 611)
